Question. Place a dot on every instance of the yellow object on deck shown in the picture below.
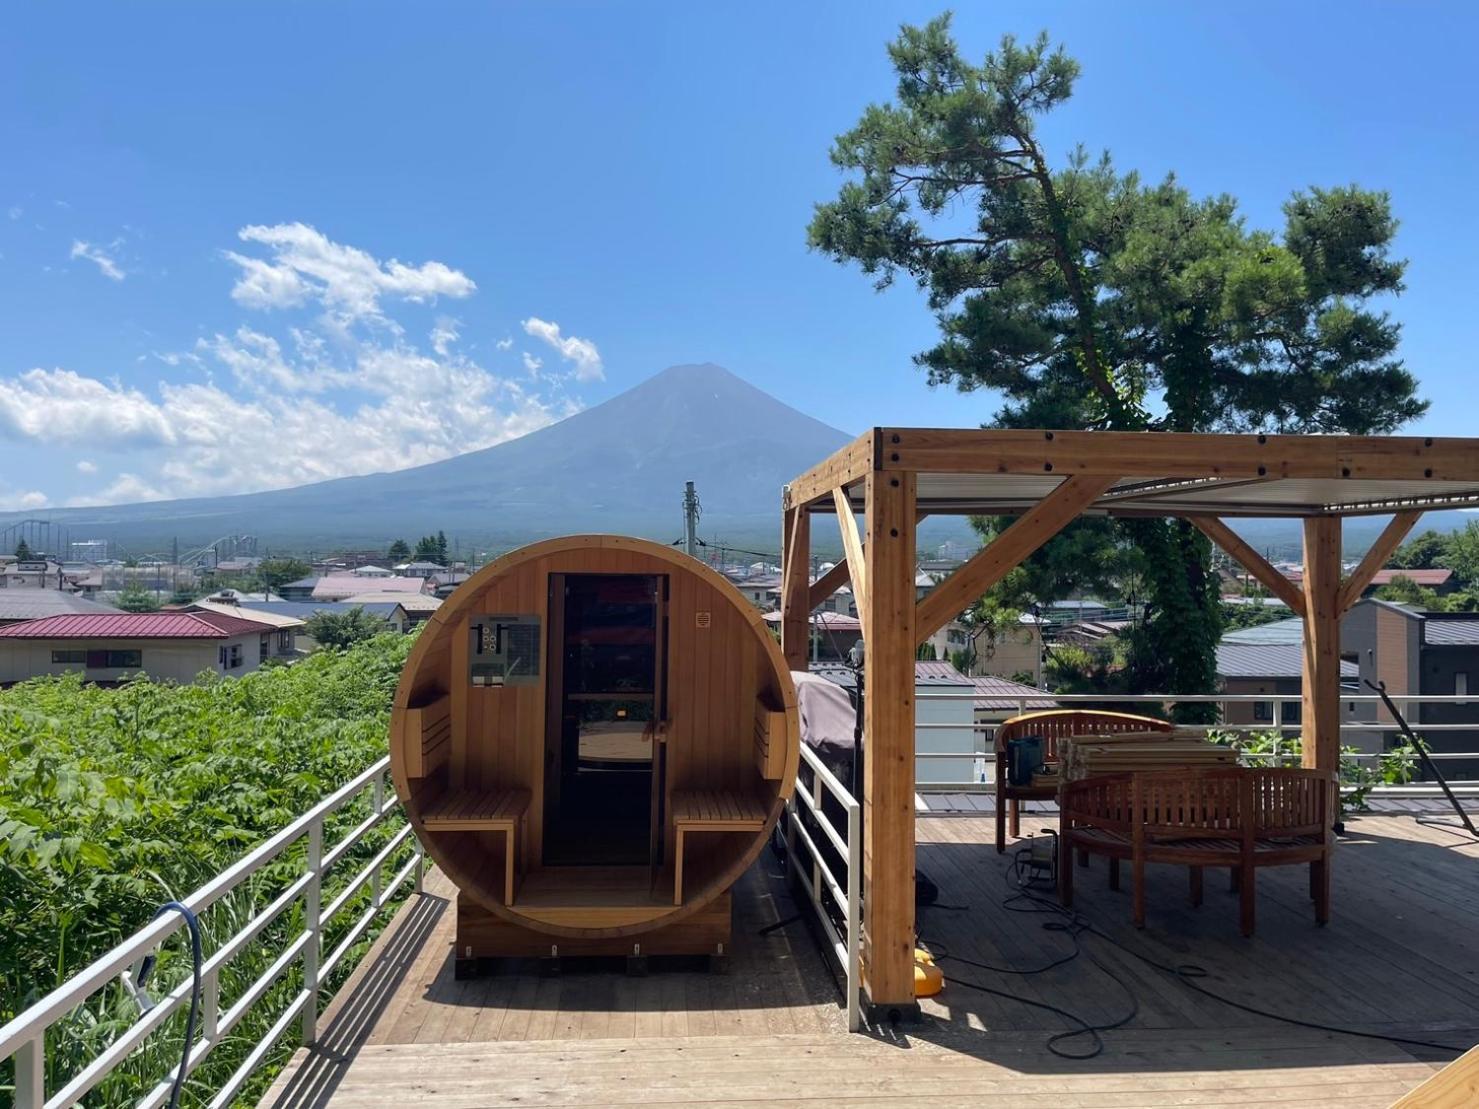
(928, 978)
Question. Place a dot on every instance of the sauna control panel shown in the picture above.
(503, 650)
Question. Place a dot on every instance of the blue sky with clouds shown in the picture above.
(244, 246)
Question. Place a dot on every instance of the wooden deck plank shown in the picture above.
(1399, 957)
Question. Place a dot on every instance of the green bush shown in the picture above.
(115, 800)
(1358, 777)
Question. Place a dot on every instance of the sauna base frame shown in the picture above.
(482, 935)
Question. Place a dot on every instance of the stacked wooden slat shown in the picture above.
(1089, 755)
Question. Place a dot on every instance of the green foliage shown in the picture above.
(135, 598)
(1421, 553)
(1358, 777)
(925, 652)
(22, 551)
(1252, 616)
(399, 552)
(1089, 299)
(113, 800)
(1403, 590)
(274, 573)
(339, 630)
(432, 548)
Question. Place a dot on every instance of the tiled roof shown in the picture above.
(1268, 660)
(1451, 633)
(135, 625)
(995, 694)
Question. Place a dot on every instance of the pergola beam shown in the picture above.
(1376, 557)
(833, 580)
(992, 563)
(888, 724)
(1320, 680)
(1176, 456)
(1269, 577)
(795, 595)
(848, 465)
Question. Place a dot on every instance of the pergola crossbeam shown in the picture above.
(992, 563)
(1376, 557)
(1237, 548)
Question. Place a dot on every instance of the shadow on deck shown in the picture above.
(1400, 957)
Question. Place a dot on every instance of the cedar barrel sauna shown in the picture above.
(593, 738)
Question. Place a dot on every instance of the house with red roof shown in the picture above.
(110, 646)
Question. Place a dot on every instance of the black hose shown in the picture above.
(192, 922)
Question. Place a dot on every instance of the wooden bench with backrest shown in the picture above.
(506, 811)
(1053, 725)
(720, 810)
(1240, 817)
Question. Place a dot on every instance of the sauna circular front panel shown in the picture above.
(594, 736)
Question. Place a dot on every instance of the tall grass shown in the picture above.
(115, 800)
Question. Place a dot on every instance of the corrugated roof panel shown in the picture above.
(134, 625)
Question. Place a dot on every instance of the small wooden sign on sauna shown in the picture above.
(504, 650)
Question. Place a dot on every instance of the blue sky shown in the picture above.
(244, 246)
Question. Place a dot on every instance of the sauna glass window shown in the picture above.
(504, 650)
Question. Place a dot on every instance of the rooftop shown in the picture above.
(995, 694)
(1269, 660)
(33, 604)
(333, 586)
(135, 625)
(1447, 631)
(1430, 579)
(403, 1030)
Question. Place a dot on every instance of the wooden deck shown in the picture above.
(1400, 956)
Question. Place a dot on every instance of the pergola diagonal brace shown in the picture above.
(1376, 556)
(1270, 578)
(993, 562)
(852, 547)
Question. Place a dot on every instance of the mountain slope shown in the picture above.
(619, 466)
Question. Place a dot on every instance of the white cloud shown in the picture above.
(506, 343)
(531, 363)
(10, 502)
(307, 265)
(445, 333)
(582, 353)
(99, 257)
(15, 211)
(262, 407)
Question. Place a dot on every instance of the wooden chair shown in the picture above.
(1053, 725)
(1239, 817)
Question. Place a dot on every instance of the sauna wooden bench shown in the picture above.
(488, 810)
(710, 810)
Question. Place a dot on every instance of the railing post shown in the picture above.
(854, 915)
(30, 1073)
(377, 799)
(817, 793)
(210, 1004)
(313, 925)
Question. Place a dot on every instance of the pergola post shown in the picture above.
(1320, 726)
(795, 587)
(888, 755)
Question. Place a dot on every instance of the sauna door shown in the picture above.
(606, 646)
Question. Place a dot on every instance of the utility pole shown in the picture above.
(690, 519)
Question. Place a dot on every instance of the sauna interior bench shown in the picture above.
(488, 810)
(710, 810)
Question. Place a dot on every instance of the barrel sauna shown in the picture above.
(593, 738)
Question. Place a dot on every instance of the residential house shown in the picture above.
(407, 609)
(306, 610)
(17, 605)
(418, 569)
(280, 643)
(300, 590)
(943, 715)
(1412, 651)
(999, 699)
(1269, 659)
(1439, 579)
(108, 647)
(832, 634)
(342, 587)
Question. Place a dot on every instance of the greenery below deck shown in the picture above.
(115, 800)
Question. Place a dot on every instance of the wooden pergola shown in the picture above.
(896, 477)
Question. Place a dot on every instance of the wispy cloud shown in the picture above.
(581, 353)
(306, 266)
(99, 257)
(348, 390)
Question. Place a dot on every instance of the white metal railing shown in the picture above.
(819, 880)
(985, 782)
(24, 1038)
